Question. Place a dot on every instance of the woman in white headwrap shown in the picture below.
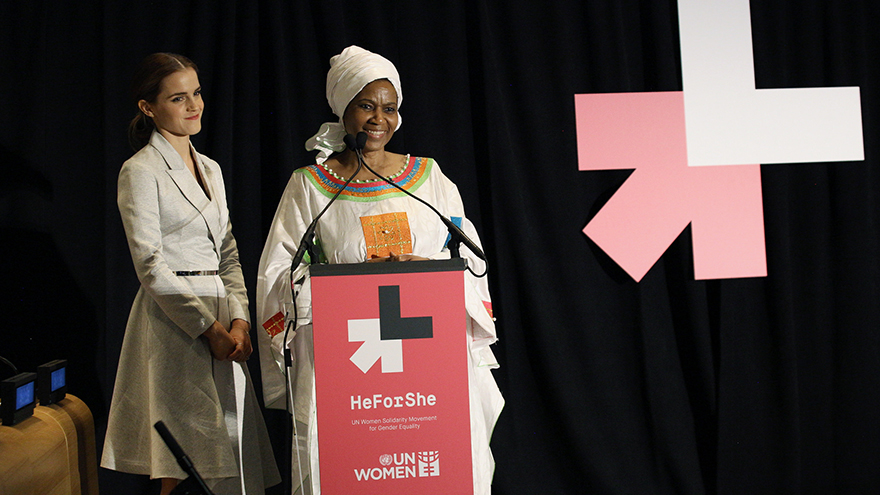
(364, 91)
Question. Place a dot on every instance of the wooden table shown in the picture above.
(51, 453)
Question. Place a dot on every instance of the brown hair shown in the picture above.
(146, 84)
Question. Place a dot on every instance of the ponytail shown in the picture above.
(139, 131)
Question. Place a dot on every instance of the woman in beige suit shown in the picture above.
(186, 342)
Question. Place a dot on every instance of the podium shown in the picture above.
(391, 377)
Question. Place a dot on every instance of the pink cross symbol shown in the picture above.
(645, 132)
(696, 154)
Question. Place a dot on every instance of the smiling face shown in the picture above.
(373, 111)
(177, 111)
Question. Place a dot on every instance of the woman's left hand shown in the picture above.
(240, 334)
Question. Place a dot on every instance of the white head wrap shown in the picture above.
(350, 72)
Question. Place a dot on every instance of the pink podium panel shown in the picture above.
(391, 378)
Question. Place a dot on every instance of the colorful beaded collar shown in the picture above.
(410, 177)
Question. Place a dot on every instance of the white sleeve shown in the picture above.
(477, 298)
(274, 308)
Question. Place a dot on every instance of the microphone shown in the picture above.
(355, 143)
(456, 235)
(350, 141)
(194, 484)
(306, 243)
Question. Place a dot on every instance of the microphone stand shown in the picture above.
(306, 244)
(194, 484)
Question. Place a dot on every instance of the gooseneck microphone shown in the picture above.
(306, 243)
(456, 235)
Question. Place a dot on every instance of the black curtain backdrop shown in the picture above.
(670, 385)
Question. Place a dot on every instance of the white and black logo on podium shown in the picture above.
(383, 337)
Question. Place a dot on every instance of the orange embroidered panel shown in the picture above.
(387, 233)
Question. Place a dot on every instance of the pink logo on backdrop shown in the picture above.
(696, 153)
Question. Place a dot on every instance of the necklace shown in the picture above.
(363, 181)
